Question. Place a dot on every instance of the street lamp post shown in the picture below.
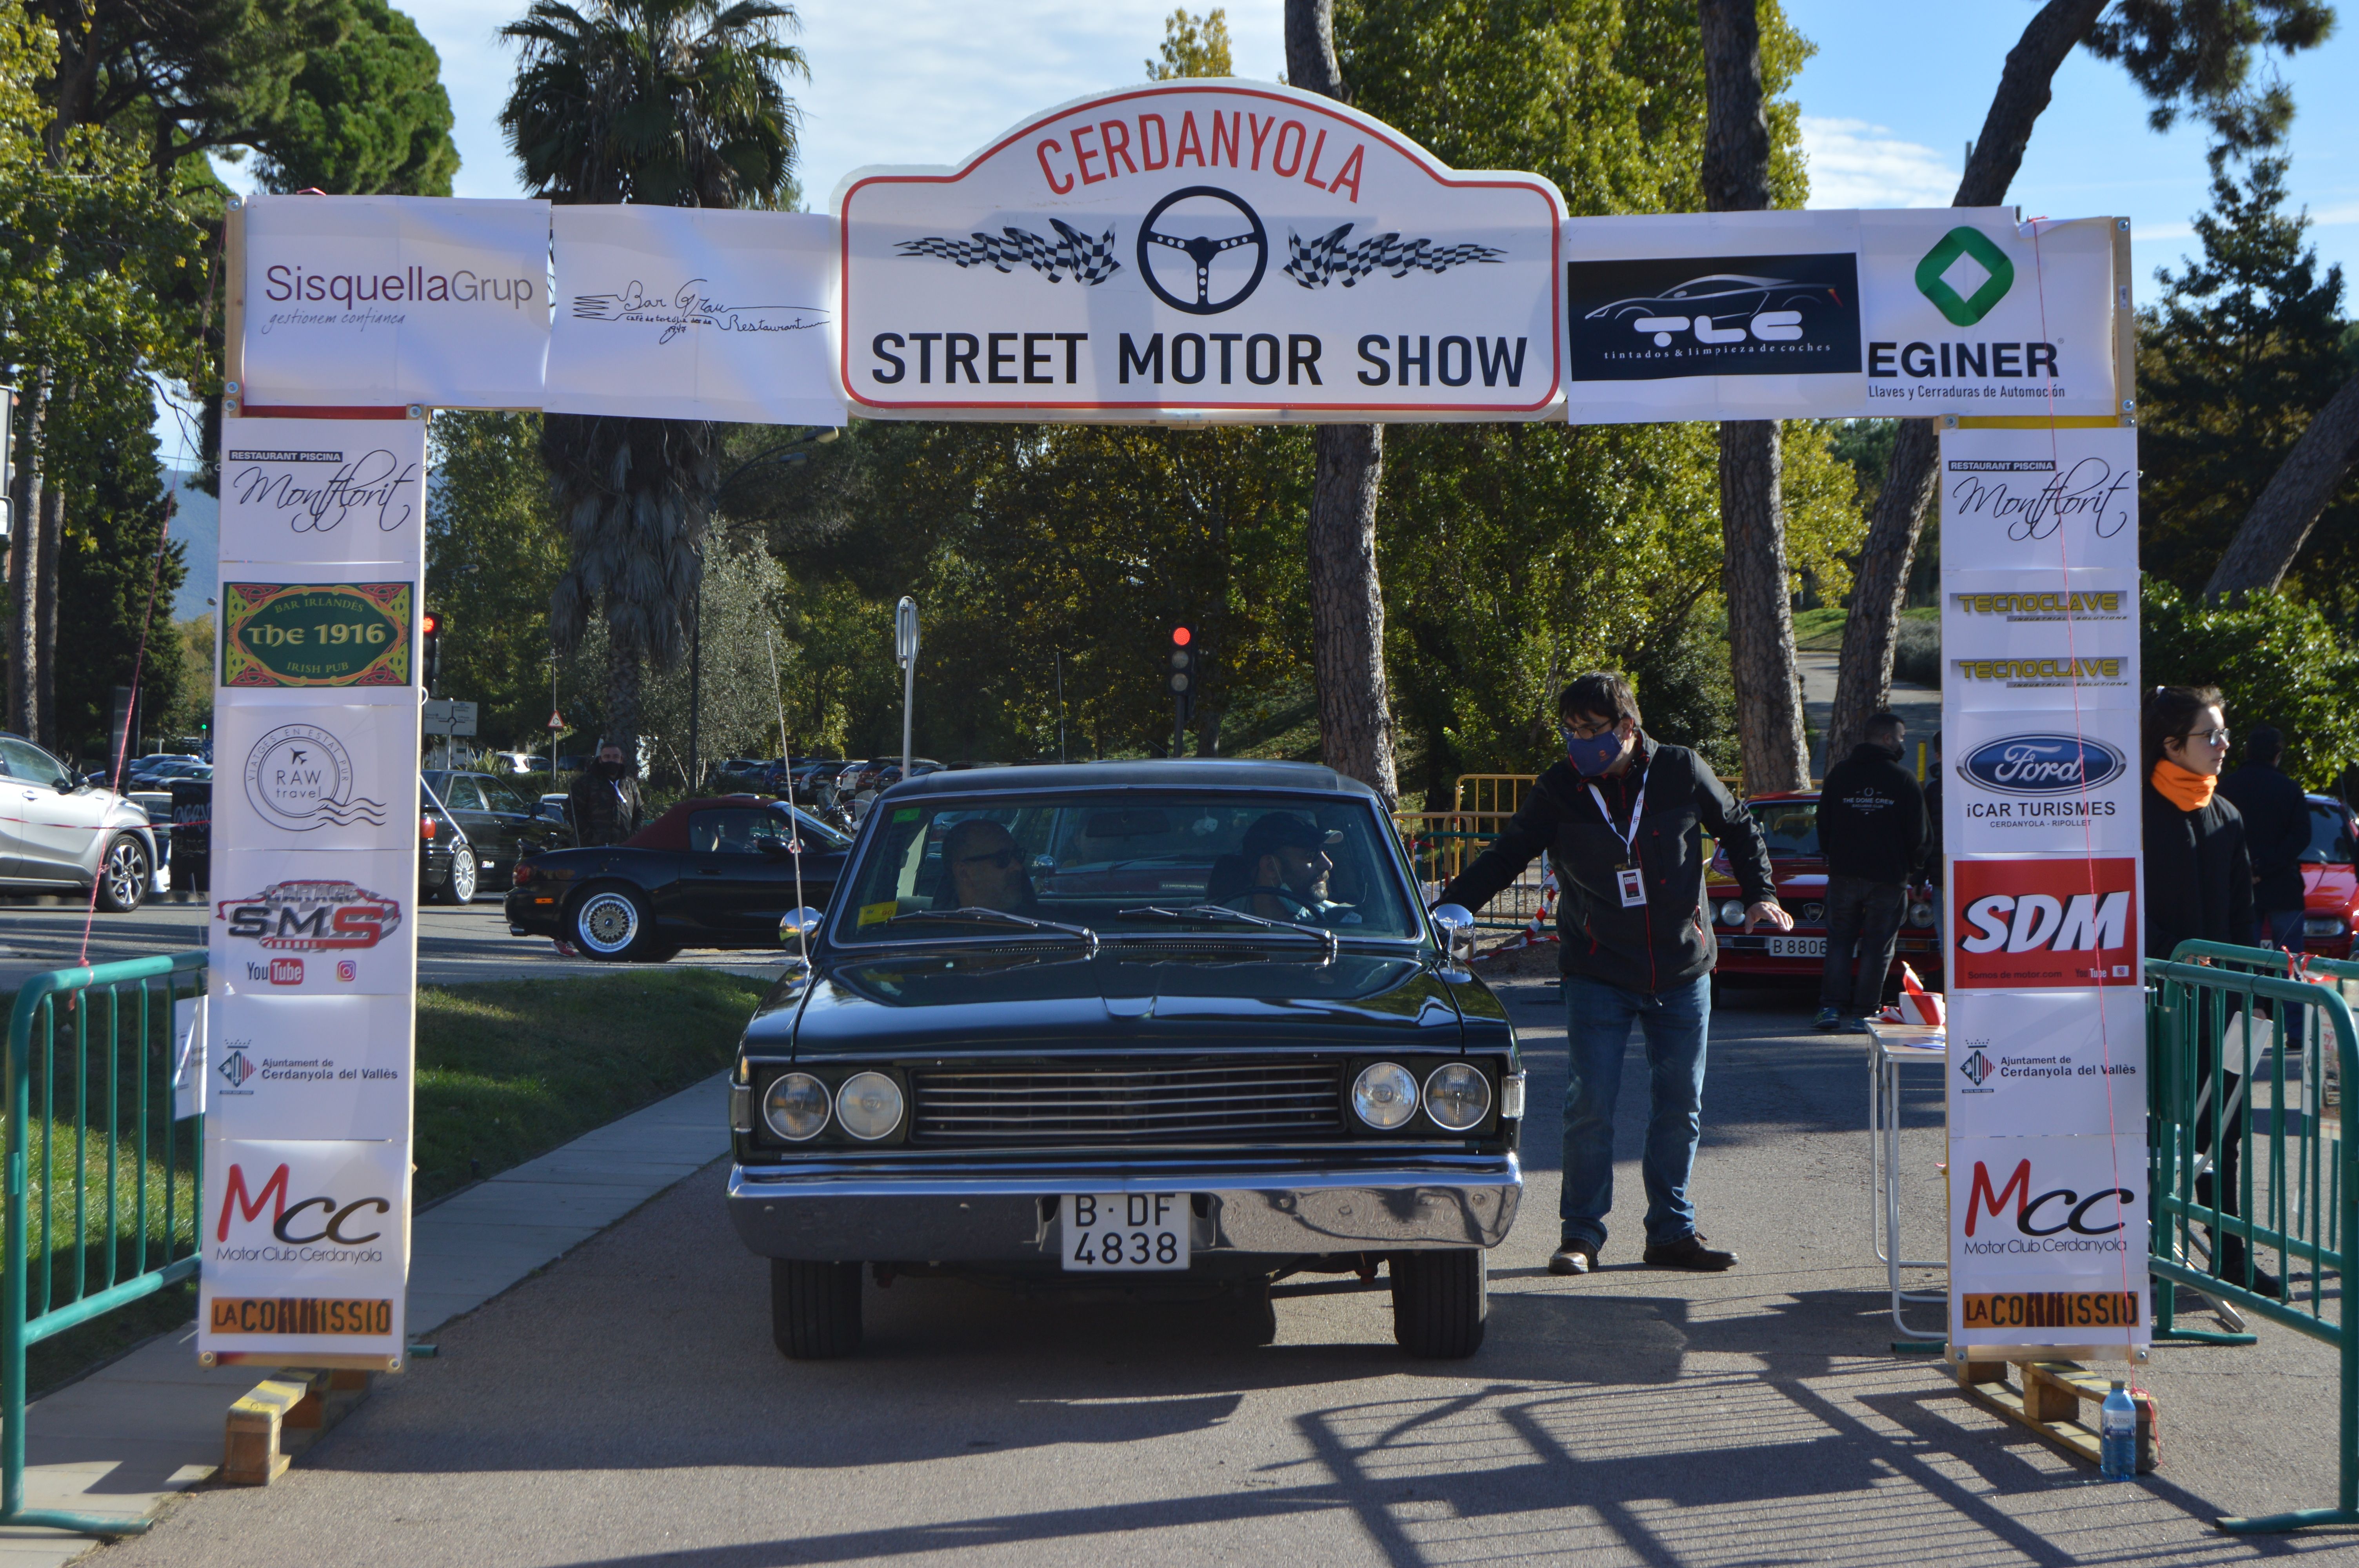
(905, 648)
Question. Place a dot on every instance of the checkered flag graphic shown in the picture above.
(1091, 261)
(1320, 261)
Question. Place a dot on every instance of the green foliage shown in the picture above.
(1193, 46)
(2244, 348)
(368, 116)
(2277, 660)
(494, 552)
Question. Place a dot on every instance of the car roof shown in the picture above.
(1193, 773)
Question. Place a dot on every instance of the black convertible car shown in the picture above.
(718, 872)
(1171, 1028)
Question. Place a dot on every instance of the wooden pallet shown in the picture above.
(2048, 1403)
(282, 1416)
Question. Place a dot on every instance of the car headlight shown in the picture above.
(1731, 912)
(868, 1106)
(1385, 1095)
(1457, 1096)
(1921, 912)
(796, 1107)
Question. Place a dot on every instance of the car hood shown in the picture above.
(1126, 998)
(2329, 890)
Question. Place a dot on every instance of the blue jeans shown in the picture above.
(1597, 1028)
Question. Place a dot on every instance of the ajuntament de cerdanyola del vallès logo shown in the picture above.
(312, 917)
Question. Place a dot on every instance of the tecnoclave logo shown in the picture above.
(2042, 764)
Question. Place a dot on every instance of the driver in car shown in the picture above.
(986, 870)
(1291, 867)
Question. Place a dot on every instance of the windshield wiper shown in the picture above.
(973, 916)
(1222, 914)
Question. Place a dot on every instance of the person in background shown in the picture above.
(1621, 818)
(1872, 832)
(2199, 884)
(2276, 830)
(1933, 873)
(605, 801)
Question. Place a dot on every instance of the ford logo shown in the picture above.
(2042, 764)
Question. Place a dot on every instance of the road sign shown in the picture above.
(446, 716)
(556, 719)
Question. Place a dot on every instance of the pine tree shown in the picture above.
(2244, 348)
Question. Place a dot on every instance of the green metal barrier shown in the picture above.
(2225, 1033)
(116, 1213)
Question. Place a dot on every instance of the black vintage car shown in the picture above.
(1178, 1028)
(715, 873)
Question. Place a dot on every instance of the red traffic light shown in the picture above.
(1181, 637)
(430, 623)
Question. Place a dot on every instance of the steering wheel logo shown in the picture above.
(1204, 235)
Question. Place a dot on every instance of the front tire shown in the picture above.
(814, 1309)
(459, 887)
(610, 924)
(124, 875)
(1441, 1302)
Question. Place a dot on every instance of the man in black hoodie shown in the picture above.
(1872, 830)
(2276, 830)
(1622, 819)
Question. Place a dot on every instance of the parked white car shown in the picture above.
(58, 835)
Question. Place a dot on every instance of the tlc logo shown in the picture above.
(2077, 1218)
(2057, 923)
(284, 1216)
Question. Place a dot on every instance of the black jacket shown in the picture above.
(605, 811)
(1871, 817)
(1668, 941)
(2198, 880)
(2276, 830)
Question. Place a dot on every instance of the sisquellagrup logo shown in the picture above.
(1965, 276)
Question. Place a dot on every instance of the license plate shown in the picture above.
(1125, 1230)
(1798, 947)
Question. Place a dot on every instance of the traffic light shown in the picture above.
(1185, 661)
(430, 650)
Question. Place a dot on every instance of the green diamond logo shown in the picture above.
(1972, 244)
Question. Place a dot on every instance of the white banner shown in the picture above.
(1826, 313)
(695, 313)
(2050, 499)
(308, 1067)
(2047, 1242)
(306, 1248)
(1223, 250)
(2052, 639)
(323, 492)
(310, 776)
(2036, 781)
(371, 302)
(308, 922)
(2058, 1063)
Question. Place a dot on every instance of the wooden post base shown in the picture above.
(2047, 1401)
(280, 1418)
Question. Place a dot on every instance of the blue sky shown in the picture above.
(1889, 102)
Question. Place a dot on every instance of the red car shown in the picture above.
(2330, 884)
(1790, 825)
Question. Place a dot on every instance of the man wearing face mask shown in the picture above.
(605, 801)
(1622, 819)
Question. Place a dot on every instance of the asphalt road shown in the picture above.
(454, 945)
(624, 1408)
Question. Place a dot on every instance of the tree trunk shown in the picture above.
(1770, 725)
(625, 670)
(1347, 605)
(45, 668)
(2274, 530)
(25, 564)
(1863, 680)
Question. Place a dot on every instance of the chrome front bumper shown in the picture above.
(859, 1214)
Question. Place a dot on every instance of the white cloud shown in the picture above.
(1855, 163)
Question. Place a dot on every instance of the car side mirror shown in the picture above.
(800, 925)
(1457, 924)
(776, 848)
(65, 785)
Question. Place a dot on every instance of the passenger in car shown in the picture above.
(986, 871)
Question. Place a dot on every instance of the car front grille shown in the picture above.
(1123, 1105)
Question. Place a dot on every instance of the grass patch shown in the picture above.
(506, 1071)
(1820, 631)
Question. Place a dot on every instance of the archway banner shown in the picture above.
(1840, 315)
(1204, 249)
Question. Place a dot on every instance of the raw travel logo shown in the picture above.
(299, 777)
(1965, 243)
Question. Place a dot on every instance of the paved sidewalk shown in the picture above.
(127, 1438)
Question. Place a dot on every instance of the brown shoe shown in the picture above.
(1573, 1257)
(1689, 1252)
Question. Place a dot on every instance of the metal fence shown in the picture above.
(2248, 1158)
(102, 1183)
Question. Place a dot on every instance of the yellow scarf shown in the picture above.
(2187, 790)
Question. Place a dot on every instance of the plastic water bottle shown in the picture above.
(2117, 1434)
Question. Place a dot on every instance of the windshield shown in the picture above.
(1790, 827)
(2330, 836)
(1108, 862)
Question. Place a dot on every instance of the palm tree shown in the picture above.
(680, 103)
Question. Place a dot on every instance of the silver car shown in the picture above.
(58, 835)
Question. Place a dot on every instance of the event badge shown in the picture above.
(1634, 888)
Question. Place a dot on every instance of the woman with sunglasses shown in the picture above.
(2198, 885)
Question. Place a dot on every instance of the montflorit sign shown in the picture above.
(1202, 249)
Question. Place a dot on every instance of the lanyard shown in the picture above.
(1637, 809)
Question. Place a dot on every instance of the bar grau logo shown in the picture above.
(1765, 315)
